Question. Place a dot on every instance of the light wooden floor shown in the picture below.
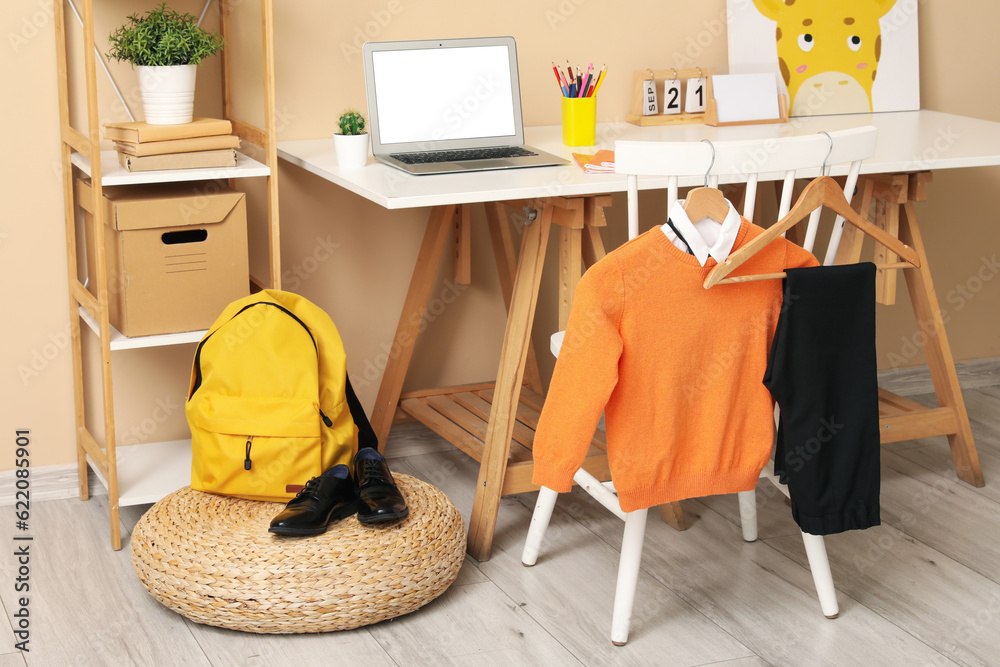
(922, 589)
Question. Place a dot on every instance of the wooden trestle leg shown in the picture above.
(938, 352)
(901, 419)
(428, 258)
(513, 357)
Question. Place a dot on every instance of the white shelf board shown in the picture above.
(112, 173)
(149, 472)
(120, 341)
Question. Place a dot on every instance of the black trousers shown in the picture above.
(822, 373)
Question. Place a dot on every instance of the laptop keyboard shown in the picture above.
(462, 155)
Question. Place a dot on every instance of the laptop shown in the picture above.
(447, 105)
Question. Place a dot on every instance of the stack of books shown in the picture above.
(202, 143)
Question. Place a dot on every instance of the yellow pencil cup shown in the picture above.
(579, 121)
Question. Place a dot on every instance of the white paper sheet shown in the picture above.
(743, 97)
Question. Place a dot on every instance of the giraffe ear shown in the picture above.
(772, 8)
(882, 7)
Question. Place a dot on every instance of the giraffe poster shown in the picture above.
(849, 56)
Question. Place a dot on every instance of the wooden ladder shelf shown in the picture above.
(157, 467)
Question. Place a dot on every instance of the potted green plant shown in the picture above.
(351, 142)
(166, 47)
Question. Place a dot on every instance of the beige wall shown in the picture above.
(353, 258)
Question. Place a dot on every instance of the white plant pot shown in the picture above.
(167, 93)
(352, 150)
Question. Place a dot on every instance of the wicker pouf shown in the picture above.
(211, 559)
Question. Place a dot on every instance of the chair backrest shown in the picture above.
(688, 163)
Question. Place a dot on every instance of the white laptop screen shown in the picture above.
(443, 94)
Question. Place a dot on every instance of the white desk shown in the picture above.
(493, 422)
(908, 141)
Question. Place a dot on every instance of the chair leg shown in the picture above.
(819, 564)
(628, 575)
(748, 514)
(544, 505)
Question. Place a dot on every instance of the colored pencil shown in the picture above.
(600, 79)
(555, 70)
(585, 80)
(579, 85)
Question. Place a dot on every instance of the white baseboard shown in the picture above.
(58, 482)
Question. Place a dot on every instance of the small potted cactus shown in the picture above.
(351, 142)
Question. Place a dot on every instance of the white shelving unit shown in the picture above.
(150, 471)
(120, 341)
(144, 473)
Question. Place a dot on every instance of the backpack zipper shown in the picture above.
(246, 462)
(197, 364)
(197, 353)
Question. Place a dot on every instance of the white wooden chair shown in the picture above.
(685, 164)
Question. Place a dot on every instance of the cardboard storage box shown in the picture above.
(176, 254)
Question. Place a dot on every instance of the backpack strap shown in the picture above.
(366, 434)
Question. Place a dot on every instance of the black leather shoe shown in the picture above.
(326, 498)
(379, 499)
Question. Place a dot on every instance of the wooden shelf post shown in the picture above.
(92, 300)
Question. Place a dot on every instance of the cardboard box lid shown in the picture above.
(164, 204)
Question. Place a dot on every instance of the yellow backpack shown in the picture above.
(270, 405)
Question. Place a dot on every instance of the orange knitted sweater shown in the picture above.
(676, 369)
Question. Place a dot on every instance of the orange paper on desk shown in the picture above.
(602, 162)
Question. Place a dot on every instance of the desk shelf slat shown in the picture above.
(461, 417)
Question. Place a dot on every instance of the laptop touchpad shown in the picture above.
(484, 164)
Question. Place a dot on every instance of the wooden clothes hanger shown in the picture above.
(706, 202)
(823, 191)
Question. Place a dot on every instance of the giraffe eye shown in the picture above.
(854, 42)
(806, 42)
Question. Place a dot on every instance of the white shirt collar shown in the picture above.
(698, 235)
